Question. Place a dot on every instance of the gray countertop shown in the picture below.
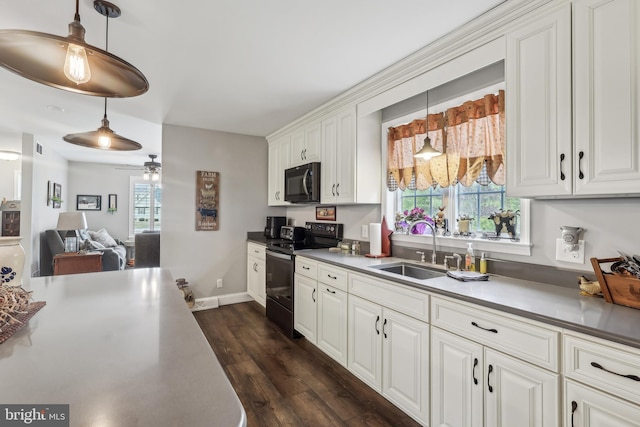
(121, 348)
(555, 305)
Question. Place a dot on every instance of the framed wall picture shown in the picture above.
(56, 198)
(48, 193)
(86, 202)
(325, 213)
(112, 205)
(207, 201)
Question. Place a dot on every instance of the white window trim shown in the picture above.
(132, 181)
(522, 247)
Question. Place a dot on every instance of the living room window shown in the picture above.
(146, 206)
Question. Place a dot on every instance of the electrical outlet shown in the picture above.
(365, 231)
(565, 254)
(219, 283)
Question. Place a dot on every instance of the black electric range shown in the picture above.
(280, 267)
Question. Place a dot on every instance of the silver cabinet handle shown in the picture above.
(338, 189)
(333, 189)
(561, 172)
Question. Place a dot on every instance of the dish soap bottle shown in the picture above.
(470, 259)
(483, 263)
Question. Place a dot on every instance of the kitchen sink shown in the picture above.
(410, 270)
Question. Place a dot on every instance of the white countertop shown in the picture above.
(123, 349)
(556, 305)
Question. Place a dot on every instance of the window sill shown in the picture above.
(479, 245)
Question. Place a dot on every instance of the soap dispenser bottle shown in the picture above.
(470, 259)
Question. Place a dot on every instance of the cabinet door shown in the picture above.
(304, 307)
(457, 381)
(607, 96)
(586, 407)
(297, 148)
(365, 341)
(252, 277)
(405, 368)
(279, 160)
(519, 394)
(332, 322)
(345, 160)
(312, 140)
(538, 106)
(328, 160)
(261, 282)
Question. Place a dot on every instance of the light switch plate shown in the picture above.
(365, 231)
(565, 254)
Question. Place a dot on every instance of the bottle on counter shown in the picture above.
(470, 259)
(483, 263)
(355, 248)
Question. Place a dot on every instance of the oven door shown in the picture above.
(280, 269)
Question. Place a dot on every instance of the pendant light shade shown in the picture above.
(103, 138)
(427, 151)
(69, 63)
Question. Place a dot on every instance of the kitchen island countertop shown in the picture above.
(121, 348)
(555, 305)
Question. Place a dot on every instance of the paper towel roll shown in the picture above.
(375, 238)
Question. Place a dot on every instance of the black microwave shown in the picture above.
(302, 183)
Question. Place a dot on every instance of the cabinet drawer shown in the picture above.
(611, 367)
(403, 299)
(307, 268)
(522, 338)
(333, 276)
(256, 250)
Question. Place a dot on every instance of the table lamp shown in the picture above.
(71, 222)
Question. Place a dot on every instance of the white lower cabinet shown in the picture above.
(476, 385)
(457, 381)
(332, 322)
(587, 407)
(390, 352)
(305, 307)
(611, 373)
(256, 274)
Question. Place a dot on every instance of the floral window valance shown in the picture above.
(470, 136)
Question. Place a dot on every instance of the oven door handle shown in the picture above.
(304, 182)
(278, 255)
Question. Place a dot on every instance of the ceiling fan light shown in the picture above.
(146, 176)
(155, 176)
(9, 155)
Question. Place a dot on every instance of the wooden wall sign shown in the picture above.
(207, 201)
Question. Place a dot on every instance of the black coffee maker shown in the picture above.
(272, 228)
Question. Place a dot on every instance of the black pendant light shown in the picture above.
(427, 151)
(69, 63)
(104, 138)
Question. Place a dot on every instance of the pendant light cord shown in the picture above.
(77, 15)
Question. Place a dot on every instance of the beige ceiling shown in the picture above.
(242, 66)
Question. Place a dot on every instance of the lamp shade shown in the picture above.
(427, 152)
(72, 221)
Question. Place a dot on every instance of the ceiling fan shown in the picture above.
(151, 168)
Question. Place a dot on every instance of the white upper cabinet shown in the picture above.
(305, 145)
(538, 106)
(607, 96)
(279, 160)
(339, 157)
(585, 141)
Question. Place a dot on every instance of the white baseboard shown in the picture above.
(215, 302)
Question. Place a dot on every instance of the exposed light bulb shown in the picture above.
(76, 64)
(104, 141)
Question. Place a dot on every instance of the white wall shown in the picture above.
(37, 171)
(102, 180)
(201, 257)
(11, 142)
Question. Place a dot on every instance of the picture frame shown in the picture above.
(112, 203)
(207, 201)
(325, 213)
(88, 202)
(48, 193)
(57, 195)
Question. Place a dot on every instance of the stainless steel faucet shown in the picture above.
(458, 260)
(433, 234)
(421, 256)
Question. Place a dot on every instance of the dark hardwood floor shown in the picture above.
(289, 382)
